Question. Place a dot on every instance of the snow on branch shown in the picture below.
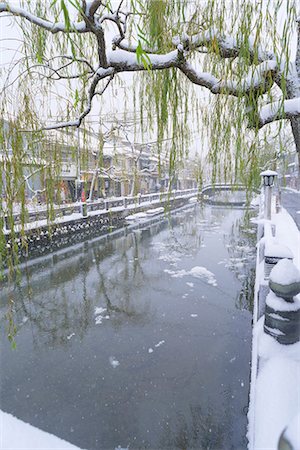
(282, 109)
(123, 44)
(53, 27)
(227, 46)
(256, 79)
(124, 61)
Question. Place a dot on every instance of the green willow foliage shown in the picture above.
(166, 103)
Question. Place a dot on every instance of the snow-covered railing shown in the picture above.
(225, 186)
(84, 208)
(274, 408)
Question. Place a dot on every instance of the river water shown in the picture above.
(141, 340)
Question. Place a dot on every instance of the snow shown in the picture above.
(275, 370)
(278, 317)
(197, 272)
(70, 336)
(113, 362)
(275, 249)
(169, 258)
(137, 216)
(202, 272)
(105, 72)
(277, 400)
(293, 431)
(268, 173)
(255, 77)
(285, 272)
(176, 274)
(153, 212)
(129, 60)
(289, 107)
(279, 304)
(288, 234)
(99, 315)
(18, 435)
(274, 331)
(99, 310)
(269, 348)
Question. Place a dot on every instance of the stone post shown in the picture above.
(282, 314)
(84, 209)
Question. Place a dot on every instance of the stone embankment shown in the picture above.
(76, 222)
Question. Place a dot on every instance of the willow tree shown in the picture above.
(242, 52)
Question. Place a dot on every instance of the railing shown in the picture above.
(222, 186)
(84, 208)
(281, 322)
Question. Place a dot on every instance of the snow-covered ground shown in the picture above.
(18, 435)
(275, 386)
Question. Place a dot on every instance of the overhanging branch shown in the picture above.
(53, 27)
(282, 109)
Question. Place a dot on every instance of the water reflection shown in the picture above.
(195, 430)
(149, 333)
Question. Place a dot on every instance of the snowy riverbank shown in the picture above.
(275, 389)
(18, 435)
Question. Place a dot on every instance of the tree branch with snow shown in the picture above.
(132, 52)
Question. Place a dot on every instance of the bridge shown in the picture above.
(209, 190)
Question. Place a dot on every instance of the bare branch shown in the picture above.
(27, 178)
(106, 86)
(92, 7)
(71, 58)
(100, 74)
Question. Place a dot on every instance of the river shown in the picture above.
(141, 340)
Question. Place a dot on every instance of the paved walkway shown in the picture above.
(290, 199)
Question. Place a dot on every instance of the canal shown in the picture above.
(141, 340)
